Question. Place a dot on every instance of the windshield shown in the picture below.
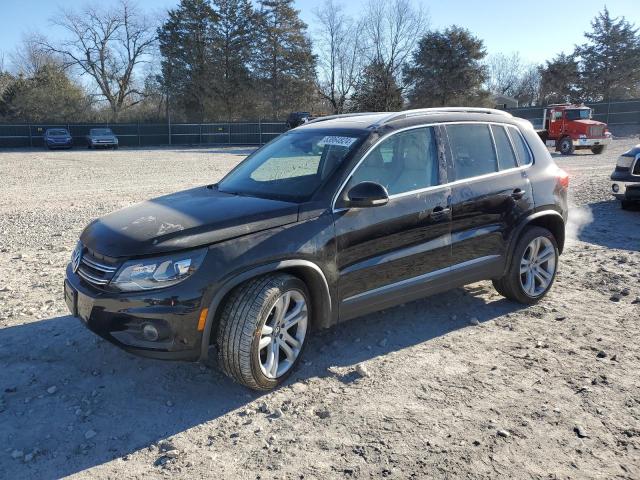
(57, 132)
(100, 131)
(579, 114)
(293, 165)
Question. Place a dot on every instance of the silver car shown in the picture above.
(102, 137)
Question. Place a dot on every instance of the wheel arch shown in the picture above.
(549, 219)
(310, 273)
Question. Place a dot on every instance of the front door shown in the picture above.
(385, 254)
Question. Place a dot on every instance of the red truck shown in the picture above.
(568, 127)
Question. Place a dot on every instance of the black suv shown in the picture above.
(341, 217)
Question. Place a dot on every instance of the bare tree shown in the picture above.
(505, 72)
(107, 45)
(30, 56)
(340, 54)
(392, 30)
(509, 75)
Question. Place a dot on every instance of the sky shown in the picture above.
(537, 30)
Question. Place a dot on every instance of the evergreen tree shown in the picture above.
(48, 96)
(559, 80)
(234, 45)
(284, 63)
(610, 60)
(377, 90)
(447, 70)
(187, 44)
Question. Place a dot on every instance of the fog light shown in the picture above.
(615, 187)
(150, 332)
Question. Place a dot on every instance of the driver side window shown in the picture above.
(402, 163)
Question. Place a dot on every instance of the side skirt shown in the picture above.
(414, 288)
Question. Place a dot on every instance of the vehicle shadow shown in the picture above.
(130, 402)
(612, 227)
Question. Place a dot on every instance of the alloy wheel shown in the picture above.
(283, 334)
(537, 266)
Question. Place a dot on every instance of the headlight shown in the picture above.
(624, 162)
(159, 272)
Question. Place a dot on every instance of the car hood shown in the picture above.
(102, 137)
(589, 122)
(182, 220)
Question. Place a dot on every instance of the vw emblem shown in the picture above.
(75, 260)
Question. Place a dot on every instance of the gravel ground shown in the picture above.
(465, 384)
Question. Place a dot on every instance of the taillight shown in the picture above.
(563, 178)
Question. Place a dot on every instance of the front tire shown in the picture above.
(262, 330)
(533, 267)
(566, 146)
(597, 150)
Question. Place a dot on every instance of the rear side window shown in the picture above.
(506, 155)
(472, 150)
(524, 155)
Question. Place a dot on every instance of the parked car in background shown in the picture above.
(295, 119)
(338, 218)
(102, 137)
(625, 179)
(57, 138)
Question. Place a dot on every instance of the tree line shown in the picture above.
(226, 60)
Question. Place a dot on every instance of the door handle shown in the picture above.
(439, 212)
(518, 193)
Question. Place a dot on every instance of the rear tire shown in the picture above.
(262, 330)
(565, 146)
(533, 268)
(626, 204)
(597, 150)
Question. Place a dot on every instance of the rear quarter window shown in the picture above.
(506, 155)
(472, 150)
(522, 149)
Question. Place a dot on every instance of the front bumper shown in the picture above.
(58, 143)
(592, 142)
(626, 190)
(120, 318)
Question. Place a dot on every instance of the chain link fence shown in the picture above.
(146, 135)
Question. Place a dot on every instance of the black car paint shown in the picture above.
(183, 220)
(348, 257)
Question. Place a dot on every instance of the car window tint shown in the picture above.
(506, 155)
(472, 150)
(524, 155)
(403, 162)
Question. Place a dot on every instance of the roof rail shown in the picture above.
(342, 115)
(436, 110)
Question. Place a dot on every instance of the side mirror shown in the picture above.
(367, 194)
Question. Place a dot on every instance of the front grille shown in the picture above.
(95, 271)
(596, 131)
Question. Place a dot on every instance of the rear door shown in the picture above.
(386, 253)
(490, 193)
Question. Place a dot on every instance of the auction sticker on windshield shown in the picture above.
(338, 141)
